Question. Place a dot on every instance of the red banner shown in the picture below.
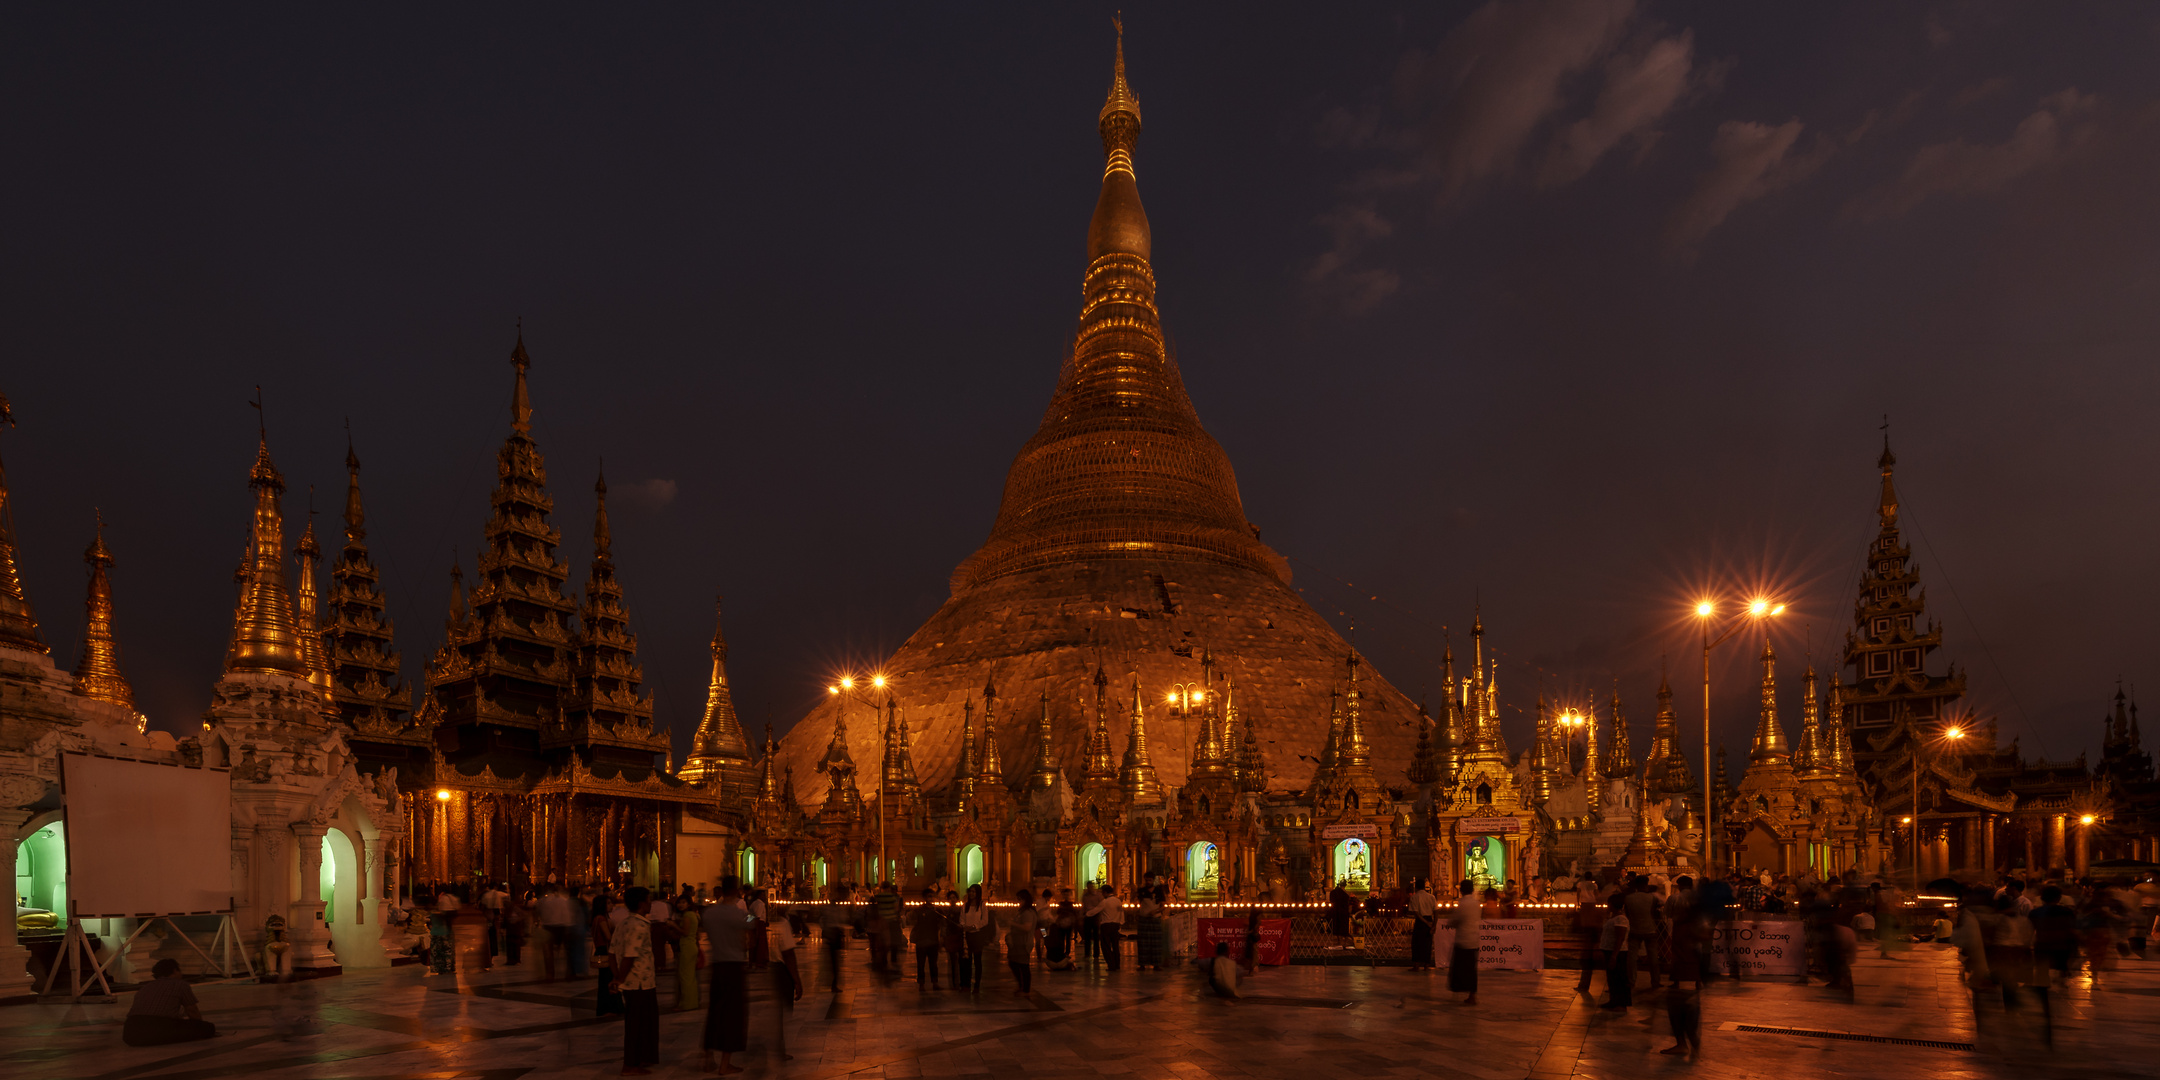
(1274, 948)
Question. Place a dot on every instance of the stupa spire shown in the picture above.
(1120, 467)
(1811, 757)
(307, 554)
(1620, 760)
(1252, 766)
(18, 623)
(964, 777)
(992, 769)
(1046, 772)
(97, 673)
(364, 663)
(265, 637)
(1102, 767)
(1138, 775)
(719, 741)
(1769, 747)
(1355, 754)
(899, 760)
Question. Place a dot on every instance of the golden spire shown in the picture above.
(1835, 732)
(1331, 751)
(899, 754)
(1138, 775)
(1810, 757)
(1046, 772)
(1121, 99)
(265, 639)
(18, 623)
(1620, 761)
(992, 769)
(1252, 767)
(768, 782)
(1101, 768)
(964, 775)
(1770, 747)
(719, 740)
(1120, 466)
(97, 674)
(1356, 754)
(838, 766)
(309, 554)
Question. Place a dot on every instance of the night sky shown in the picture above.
(1574, 309)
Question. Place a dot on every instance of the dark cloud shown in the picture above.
(1749, 160)
(1640, 87)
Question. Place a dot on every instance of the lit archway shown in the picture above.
(1091, 867)
(1353, 865)
(41, 873)
(971, 866)
(1203, 871)
(1486, 861)
(746, 865)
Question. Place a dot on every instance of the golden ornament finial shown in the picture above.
(97, 673)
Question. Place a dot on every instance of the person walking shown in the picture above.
(979, 932)
(1424, 917)
(1090, 923)
(1148, 942)
(787, 934)
(955, 940)
(727, 1019)
(1614, 941)
(760, 929)
(580, 946)
(631, 962)
(926, 930)
(1112, 921)
(1021, 930)
(833, 926)
(608, 1000)
(1462, 976)
(555, 915)
(1645, 927)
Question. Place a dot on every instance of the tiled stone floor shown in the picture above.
(1302, 1023)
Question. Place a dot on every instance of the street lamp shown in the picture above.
(1706, 610)
(1570, 723)
(1950, 734)
(846, 686)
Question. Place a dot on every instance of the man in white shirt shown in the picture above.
(1110, 917)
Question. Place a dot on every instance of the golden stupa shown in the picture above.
(1122, 544)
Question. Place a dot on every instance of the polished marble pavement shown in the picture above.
(1300, 1023)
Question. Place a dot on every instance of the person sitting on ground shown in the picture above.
(1223, 972)
(165, 1010)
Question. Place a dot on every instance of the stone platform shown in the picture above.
(1301, 1023)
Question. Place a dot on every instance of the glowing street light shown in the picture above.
(1952, 734)
(1758, 609)
(2088, 819)
(442, 794)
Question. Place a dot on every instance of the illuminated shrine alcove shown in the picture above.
(1203, 871)
(1486, 862)
(746, 865)
(1091, 867)
(329, 880)
(971, 866)
(1353, 865)
(820, 872)
(41, 876)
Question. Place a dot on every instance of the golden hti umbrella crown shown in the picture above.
(266, 640)
(97, 673)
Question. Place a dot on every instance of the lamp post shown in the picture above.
(1705, 610)
(1951, 733)
(1570, 723)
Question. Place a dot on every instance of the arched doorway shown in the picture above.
(1091, 867)
(1203, 871)
(971, 866)
(1353, 865)
(746, 865)
(41, 872)
(1486, 861)
(353, 941)
(820, 872)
